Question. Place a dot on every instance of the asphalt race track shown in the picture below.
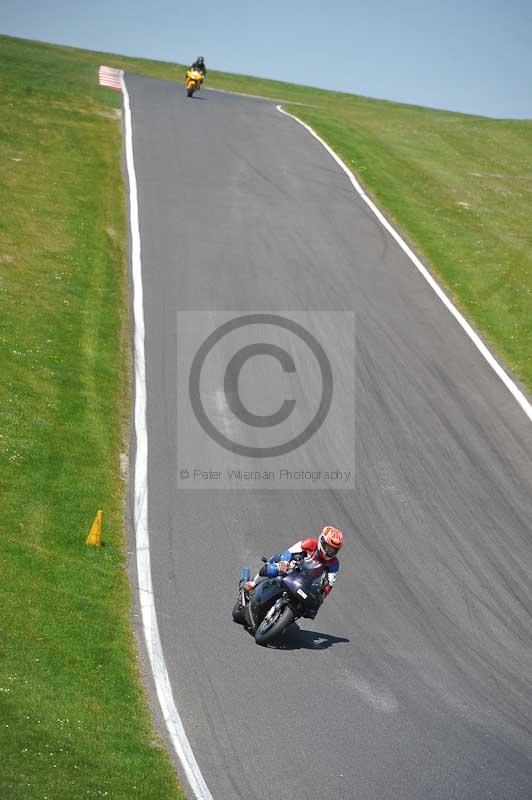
(415, 680)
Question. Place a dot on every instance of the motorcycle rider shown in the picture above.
(319, 554)
(199, 64)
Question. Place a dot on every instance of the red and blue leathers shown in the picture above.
(313, 558)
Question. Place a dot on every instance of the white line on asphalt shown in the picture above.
(260, 97)
(147, 602)
(475, 338)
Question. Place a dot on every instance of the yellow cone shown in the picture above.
(95, 533)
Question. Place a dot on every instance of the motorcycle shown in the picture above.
(193, 81)
(275, 603)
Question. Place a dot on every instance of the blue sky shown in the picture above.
(473, 56)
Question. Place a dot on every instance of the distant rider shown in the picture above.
(199, 64)
(318, 555)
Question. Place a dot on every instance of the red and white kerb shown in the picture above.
(110, 77)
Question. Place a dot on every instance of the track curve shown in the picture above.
(415, 681)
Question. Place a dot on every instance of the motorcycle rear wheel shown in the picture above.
(273, 627)
(239, 614)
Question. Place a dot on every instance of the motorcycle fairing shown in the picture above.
(262, 598)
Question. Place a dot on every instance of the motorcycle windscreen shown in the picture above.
(307, 585)
(309, 575)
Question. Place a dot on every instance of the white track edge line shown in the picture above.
(475, 338)
(171, 716)
(259, 97)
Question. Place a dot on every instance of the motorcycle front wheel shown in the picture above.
(274, 624)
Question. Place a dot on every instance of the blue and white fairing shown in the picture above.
(308, 578)
(303, 584)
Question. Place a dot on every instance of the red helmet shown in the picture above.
(330, 542)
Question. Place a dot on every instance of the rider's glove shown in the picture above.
(283, 567)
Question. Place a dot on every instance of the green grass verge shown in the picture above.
(73, 719)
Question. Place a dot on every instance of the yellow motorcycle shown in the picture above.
(193, 81)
